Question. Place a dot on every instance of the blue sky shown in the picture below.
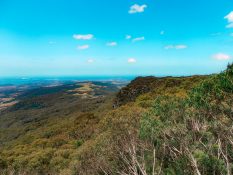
(115, 37)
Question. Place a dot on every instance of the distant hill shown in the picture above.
(142, 85)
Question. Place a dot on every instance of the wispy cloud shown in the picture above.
(221, 56)
(90, 61)
(128, 37)
(83, 47)
(132, 60)
(111, 44)
(138, 39)
(180, 46)
(229, 18)
(137, 8)
(83, 37)
(229, 25)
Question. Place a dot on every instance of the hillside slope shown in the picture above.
(160, 126)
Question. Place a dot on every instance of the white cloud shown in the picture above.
(229, 25)
(138, 39)
(83, 37)
(162, 32)
(137, 8)
(132, 60)
(128, 37)
(180, 46)
(83, 47)
(112, 44)
(90, 61)
(229, 18)
(221, 56)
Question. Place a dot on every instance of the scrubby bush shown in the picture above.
(3, 164)
(78, 143)
(195, 133)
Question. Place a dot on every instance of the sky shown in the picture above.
(115, 37)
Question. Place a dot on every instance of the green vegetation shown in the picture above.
(161, 126)
(193, 135)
